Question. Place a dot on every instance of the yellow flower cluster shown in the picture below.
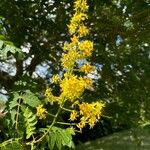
(49, 95)
(81, 5)
(86, 47)
(55, 78)
(83, 30)
(74, 39)
(68, 60)
(78, 17)
(87, 68)
(78, 48)
(72, 87)
(90, 113)
(41, 112)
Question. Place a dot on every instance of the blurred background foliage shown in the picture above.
(133, 139)
(120, 30)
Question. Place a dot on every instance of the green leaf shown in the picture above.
(31, 99)
(61, 137)
(65, 137)
(2, 38)
(70, 131)
(14, 102)
(30, 122)
(52, 140)
(58, 140)
(1, 44)
(8, 47)
(13, 114)
(32, 118)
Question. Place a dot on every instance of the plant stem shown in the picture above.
(69, 110)
(51, 115)
(65, 123)
(52, 124)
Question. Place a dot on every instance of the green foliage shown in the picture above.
(11, 145)
(23, 123)
(14, 107)
(30, 122)
(7, 47)
(60, 137)
(30, 99)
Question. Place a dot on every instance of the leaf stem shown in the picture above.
(17, 114)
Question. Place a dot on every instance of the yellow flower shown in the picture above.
(81, 5)
(88, 83)
(98, 107)
(92, 121)
(68, 60)
(72, 87)
(74, 39)
(55, 78)
(48, 94)
(78, 17)
(80, 125)
(87, 68)
(86, 47)
(72, 28)
(83, 30)
(85, 109)
(73, 115)
(41, 112)
(69, 46)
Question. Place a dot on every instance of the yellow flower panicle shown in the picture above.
(41, 112)
(77, 49)
(72, 86)
(80, 7)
